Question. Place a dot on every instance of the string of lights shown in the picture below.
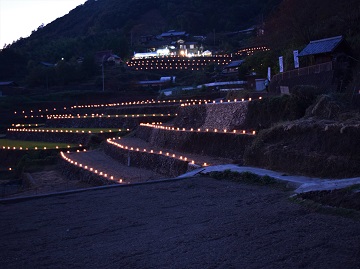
(35, 148)
(70, 116)
(178, 63)
(216, 102)
(199, 130)
(42, 130)
(134, 103)
(89, 168)
(152, 151)
(251, 50)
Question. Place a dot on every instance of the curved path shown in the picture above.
(102, 162)
(302, 183)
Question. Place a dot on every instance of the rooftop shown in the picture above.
(320, 46)
(234, 64)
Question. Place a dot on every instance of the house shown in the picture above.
(333, 49)
(232, 68)
(328, 63)
(189, 48)
(173, 35)
(101, 56)
(10, 88)
(334, 52)
(107, 56)
(114, 59)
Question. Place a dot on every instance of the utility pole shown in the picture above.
(103, 74)
(214, 37)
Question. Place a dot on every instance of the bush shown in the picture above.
(245, 177)
(305, 95)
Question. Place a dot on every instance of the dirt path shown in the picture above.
(191, 223)
(102, 162)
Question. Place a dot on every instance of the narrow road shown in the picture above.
(102, 162)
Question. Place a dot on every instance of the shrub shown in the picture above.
(245, 177)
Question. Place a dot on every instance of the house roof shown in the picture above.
(101, 55)
(172, 33)
(326, 45)
(234, 64)
(48, 64)
(7, 83)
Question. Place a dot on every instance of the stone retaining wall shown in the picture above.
(104, 122)
(73, 172)
(213, 116)
(158, 163)
(224, 145)
(225, 115)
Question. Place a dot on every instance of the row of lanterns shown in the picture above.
(91, 169)
(169, 128)
(217, 102)
(35, 148)
(69, 116)
(61, 131)
(152, 101)
(151, 151)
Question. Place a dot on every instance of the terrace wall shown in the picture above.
(224, 145)
(213, 116)
(105, 122)
(159, 163)
(73, 172)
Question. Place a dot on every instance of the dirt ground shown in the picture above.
(191, 223)
(47, 181)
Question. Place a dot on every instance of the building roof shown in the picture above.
(7, 83)
(326, 45)
(102, 55)
(162, 80)
(172, 33)
(48, 64)
(234, 64)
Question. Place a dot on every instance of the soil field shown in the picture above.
(191, 223)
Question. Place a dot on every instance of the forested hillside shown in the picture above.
(117, 25)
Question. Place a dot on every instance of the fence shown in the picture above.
(313, 69)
